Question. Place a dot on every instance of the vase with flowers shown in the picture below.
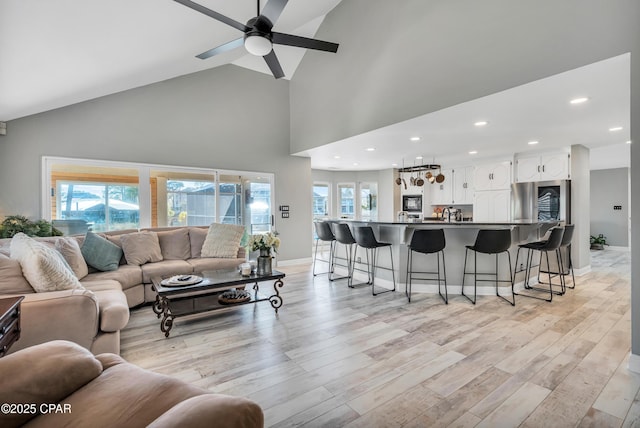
(265, 243)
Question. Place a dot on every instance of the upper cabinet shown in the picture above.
(463, 187)
(543, 167)
(442, 193)
(492, 176)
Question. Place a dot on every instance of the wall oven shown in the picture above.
(554, 200)
(412, 203)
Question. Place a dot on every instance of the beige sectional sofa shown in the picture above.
(93, 317)
(61, 384)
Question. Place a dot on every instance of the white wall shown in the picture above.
(200, 120)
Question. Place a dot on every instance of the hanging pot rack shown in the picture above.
(420, 168)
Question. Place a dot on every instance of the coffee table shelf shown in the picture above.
(173, 302)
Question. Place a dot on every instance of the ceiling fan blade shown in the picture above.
(273, 9)
(215, 15)
(274, 65)
(303, 42)
(222, 48)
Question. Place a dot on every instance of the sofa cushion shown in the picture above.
(197, 236)
(209, 263)
(201, 410)
(43, 374)
(141, 247)
(112, 303)
(165, 268)
(222, 240)
(175, 244)
(70, 250)
(11, 279)
(127, 275)
(100, 252)
(44, 267)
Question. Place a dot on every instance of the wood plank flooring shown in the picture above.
(339, 357)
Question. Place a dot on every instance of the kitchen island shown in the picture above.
(457, 235)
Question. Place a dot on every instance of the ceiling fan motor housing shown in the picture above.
(257, 40)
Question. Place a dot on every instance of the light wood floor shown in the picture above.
(339, 357)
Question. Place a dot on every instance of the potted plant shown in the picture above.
(17, 223)
(598, 242)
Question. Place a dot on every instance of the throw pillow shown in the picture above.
(99, 253)
(175, 244)
(44, 267)
(141, 247)
(223, 240)
(70, 250)
(197, 236)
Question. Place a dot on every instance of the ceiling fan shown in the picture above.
(258, 38)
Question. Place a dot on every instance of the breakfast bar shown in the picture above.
(457, 235)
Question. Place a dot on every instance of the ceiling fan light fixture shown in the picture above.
(257, 44)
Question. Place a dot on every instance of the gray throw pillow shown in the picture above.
(99, 253)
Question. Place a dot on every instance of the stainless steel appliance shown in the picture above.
(412, 203)
(542, 201)
(554, 200)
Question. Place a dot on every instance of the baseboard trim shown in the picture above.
(294, 262)
(634, 363)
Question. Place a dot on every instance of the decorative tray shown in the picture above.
(234, 296)
(181, 280)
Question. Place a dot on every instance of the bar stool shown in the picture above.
(489, 241)
(566, 245)
(343, 236)
(324, 233)
(551, 244)
(427, 241)
(367, 240)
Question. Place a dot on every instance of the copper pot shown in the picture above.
(439, 177)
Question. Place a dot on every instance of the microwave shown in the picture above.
(412, 203)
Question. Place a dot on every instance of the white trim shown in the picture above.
(615, 248)
(634, 363)
(294, 262)
(582, 271)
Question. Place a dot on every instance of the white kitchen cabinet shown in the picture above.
(442, 193)
(492, 176)
(492, 205)
(543, 167)
(463, 188)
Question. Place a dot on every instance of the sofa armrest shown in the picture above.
(58, 315)
(209, 410)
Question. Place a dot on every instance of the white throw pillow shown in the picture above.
(44, 267)
(223, 241)
(70, 250)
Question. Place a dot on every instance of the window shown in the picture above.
(369, 201)
(107, 196)
(320, 201)
(346, 201)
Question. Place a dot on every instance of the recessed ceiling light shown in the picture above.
(394, 164)
(371, 149)
(336, 157)
(615, 128)
(579, 100)
(415, 138)
(481, 123)
(629, 142)
(419, 157)
(473, 152)
(355, 164)
(532, 143)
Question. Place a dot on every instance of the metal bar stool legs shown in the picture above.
(325, 234)
(489, 242)
(366, 239)
(552, 244)
(427, 241)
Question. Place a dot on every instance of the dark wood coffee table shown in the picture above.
(176, 301)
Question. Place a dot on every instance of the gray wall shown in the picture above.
(610, 187)
(422, 56)
(215, 118)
